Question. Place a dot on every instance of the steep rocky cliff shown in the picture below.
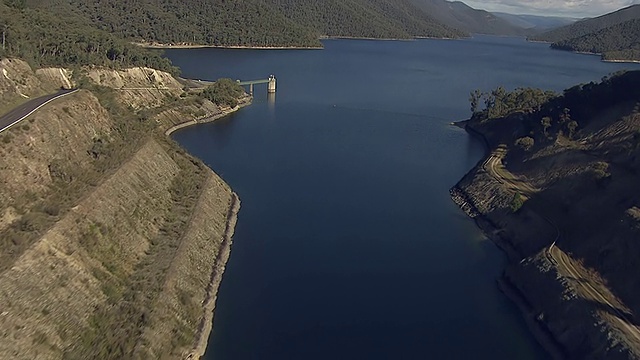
(113, 239)
(559, 193)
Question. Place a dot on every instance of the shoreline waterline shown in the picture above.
(206, 119)
(200, 46)
(252, 47)
(203, 332)
(546, 340)
(209, 304)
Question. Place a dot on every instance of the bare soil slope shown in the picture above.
(564, 205)
(113, 238)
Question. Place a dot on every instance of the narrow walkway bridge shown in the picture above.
(271, 84)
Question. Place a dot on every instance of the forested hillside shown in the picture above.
(589, 26)
(251, 22)
(618, 42)
(364, 18)
(616, 36)
(42, 38)
(210, 22)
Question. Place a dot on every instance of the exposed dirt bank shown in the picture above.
(113, 239)
(206, 325)
(564, 209)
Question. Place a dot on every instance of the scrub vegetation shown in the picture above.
(99, 211)
(223, 92)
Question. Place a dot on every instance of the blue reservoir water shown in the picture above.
(348, 245)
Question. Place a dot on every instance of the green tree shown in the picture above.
(525, 143)
(601, 169)
(546, 124)
(572, 126)
(501, 103)
(224, 92)
(516, 202)
(474, 100)
(565, 116)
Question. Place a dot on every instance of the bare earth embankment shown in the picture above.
(113, 239)
(561, 199)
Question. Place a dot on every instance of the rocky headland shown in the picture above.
(558, 192)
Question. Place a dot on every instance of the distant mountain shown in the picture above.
(458, 15)
(616, 35)
(589, 26)
(536, 23)
(617, 42)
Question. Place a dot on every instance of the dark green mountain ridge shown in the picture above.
(616, 35)
(253, 22)
(588, 26)
(618, 42)
(364, 18)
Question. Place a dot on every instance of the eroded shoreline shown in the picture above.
(459, 196)
(209, 304)
(207, 118)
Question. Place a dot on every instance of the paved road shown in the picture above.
(21, 112)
